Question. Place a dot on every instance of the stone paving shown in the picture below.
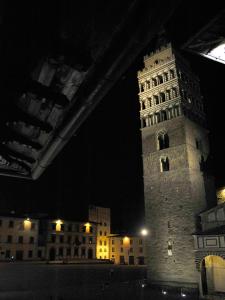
(21, 281)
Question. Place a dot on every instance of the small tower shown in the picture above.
(101, 216)
(175, 148)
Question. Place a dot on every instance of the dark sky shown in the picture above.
(102, 164)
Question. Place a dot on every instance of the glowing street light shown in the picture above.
(144, 232)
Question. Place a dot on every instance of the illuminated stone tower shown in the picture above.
(101, 216)
(175, 149)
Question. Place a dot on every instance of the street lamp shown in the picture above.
(144, 232)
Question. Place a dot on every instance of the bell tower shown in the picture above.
(175, 149)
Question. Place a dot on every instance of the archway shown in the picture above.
(213, 274)
(52, 254)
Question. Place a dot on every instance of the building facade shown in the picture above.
(101, 217)
(66, 240)
(129, 250)
(175, 150)
(69, 241)
(18, 238)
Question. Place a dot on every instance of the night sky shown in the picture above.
(102, 164)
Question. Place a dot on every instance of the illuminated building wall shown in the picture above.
(18, 238)
(175, 152)
(67, 240)
(220, 195)
(127, 249)
(101, 216)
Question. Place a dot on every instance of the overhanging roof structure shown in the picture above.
(59, 62)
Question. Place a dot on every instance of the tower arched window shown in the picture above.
(165, 166)
(156, 99)
(172, 74)
(148, 84)
(167, 94)
(150, 101)
(143, 105)
(160, 79)
(174, 92)
(162, 97)
(154, 82)
(163, 115)
(157, 118)
(165, 76)
(142, 87)
(163, 140)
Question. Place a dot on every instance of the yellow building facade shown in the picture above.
(129, 250)
(101, 217)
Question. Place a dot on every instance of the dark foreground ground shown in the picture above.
(23, 281)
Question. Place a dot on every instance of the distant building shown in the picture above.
(18, 238)
(127, 249)
(66, 240)
(101, 217)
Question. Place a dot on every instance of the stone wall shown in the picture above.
(173, 199)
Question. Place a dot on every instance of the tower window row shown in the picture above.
(159, 98)
(160, 116)
(157, 80)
